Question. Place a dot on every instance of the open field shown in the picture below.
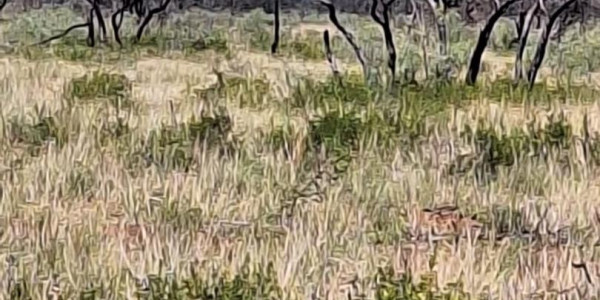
(196, 165)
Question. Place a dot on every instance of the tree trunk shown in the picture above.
(543, 43)
(523, 35)
(482, 42)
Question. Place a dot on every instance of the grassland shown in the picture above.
(195, 165)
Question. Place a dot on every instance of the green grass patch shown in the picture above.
(172, 147)
(33, 136)
(506, 149)
(251, 92)
(393, 287)
(115, 88)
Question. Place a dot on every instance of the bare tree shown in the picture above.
(438, 7)
(3, 4)
(117, 19)
(329, 56)
(543, 43)
(387, 32)
(89, 24)
(523, 34)
(162, 7)
(275, 27)
(349, 37)
(484, 37)
(99, 17)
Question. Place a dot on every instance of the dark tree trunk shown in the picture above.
(523, 35)
(482, 42)
(543, 43)
(349, 37)
(275, 27)
(148, 17)
(100, 18)
(387, 33)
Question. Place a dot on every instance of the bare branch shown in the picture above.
(90, 38)
(98, 13)
(586, 272)
(523, 34)
(117, 20)
(329, 55)
(275, 27)
(482, 42)
(387, 32)
(64, 33)
(440, 23)
(3, 4)
(148, 17)
(89, 24)
(349, 37)
(543, 42)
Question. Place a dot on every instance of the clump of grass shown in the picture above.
(392, 287)
(336, 131)
(111, 131)
(216, 41)
(251, 283)
(504, 89)
(99, 85)
(345, 133)
(33, 136)
(503, 220)
(172, 146)
(79, 181)
(284, 138)
(348, 88)
(247, 91)
(73, 49)
(505, 149)
(308, 47)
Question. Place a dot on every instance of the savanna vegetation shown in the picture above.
(381, 149)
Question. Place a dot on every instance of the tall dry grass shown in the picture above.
(177, 169)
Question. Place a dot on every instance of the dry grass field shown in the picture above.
(179, 169)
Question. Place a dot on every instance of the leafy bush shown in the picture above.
(507, 149)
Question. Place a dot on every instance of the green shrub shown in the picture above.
(172, 146)
(98, 85)
(391, 287)
(507, 149)
(35, 136)
(251, 283)
(247, 91)
(347, 89)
